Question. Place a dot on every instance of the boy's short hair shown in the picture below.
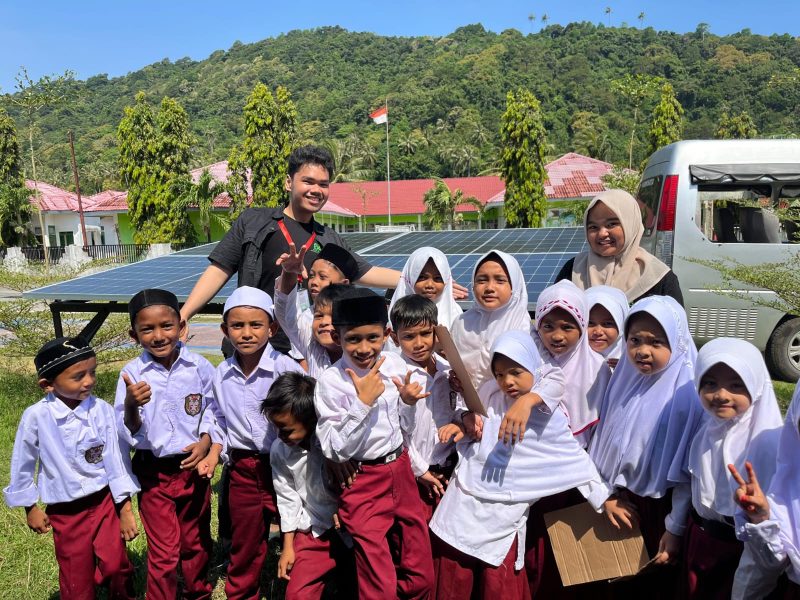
(57, 355)
(310, 155)
(414, 310)
(152, 297)
(330, 294)
(361, 306)
(293, 392)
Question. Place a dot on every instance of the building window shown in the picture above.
(102, 235)
(66, 238)
(51, 235)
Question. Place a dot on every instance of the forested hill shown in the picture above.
(445, 94)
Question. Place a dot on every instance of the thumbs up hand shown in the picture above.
(136, 394)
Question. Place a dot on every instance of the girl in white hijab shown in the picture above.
(614, 229)
(424, 273)
(585, 371)
(743, 424)
(771, 522)
(602, 299)
(649, 416)
(480, 522)
(500, 304)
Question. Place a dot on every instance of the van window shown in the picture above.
(647, 197)
(744, 213)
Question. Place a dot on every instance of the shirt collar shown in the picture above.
(266, 363)
(319, 228)
(61, 411)
(441, 365)
(148, 362)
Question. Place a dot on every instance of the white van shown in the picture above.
(713, 200)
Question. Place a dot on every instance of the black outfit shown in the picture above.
(668, 286)
(255, 242)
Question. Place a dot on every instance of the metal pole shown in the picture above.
(388, 178)
(78, 191)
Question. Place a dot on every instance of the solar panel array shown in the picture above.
(540, 252)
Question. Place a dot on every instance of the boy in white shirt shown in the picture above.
(312, 548)
(81, 474)
(413, 319)
(365, 402)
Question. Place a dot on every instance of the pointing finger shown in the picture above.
(127, 380)
(736, 475)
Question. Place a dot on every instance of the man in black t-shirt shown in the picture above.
(260, 235)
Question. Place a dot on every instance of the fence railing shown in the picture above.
(115, 253)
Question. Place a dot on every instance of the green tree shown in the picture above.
(348, 162)
(10, 159)
(441, 203)
(15, 206)
(608, 11)
(270, 134)
(523, 143)
(641, 19)
(590, 134)
(635, 89)
(621, 178)
(201, 196)
(666, 125)
(737, 127)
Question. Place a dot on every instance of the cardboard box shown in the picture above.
(445, 341)
(588, 548)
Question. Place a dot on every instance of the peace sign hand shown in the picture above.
(369, 387)
(294, 261)
(749, 495)
(410, 391)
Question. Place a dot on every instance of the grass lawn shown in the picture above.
(28, 568)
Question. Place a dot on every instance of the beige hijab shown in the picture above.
(634, 270)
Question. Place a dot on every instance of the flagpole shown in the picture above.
(388, 178)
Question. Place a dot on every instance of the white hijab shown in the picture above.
(647, 422)
(751, 436)
(475, 331)
(547, 461)
(585, 371)
(634, 270)
(446, 305)
(784, 492)
(616, 303)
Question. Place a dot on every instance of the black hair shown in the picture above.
(330, 294)
(310, 155)
(414, 310)
(495, 257)
(293, 392)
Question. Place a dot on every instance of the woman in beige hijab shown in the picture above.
(613, 223)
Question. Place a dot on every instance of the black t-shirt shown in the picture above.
(276, 245)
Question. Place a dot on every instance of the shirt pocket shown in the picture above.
(90, 454)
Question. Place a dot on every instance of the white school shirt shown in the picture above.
(433, 412)
(181, 406)
(305, 502)
(239, 400)
(346, 427)
(77, 451)
(298, 325)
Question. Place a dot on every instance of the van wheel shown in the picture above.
(783, 351)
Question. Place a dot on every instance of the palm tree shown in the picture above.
(15, 213)
(703, 29)
(441, 205)
(545, 19)
(531, 19)
(201, 196)
(608, 14)
(465, 156)
(408, 143)
(348, 160)
(479, 134)
(641, 19)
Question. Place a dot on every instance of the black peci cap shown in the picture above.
(152, 297)
(59, 354)
(359, 307)
(341, 259)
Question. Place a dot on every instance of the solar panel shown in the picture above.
(359, 241)
(449, 242)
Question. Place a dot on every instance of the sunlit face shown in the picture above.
(291, 431)
(602, 328)
(363, 344)
(158, 329)
(723, 392)
(559, 331)
(322, 326)
(308, 189)
(75, 383)
(492, 286)
(321, 275)
(416, 342)
(647, 344)
(512, 378)
(429, 284)
(248, 328)
(604, 231)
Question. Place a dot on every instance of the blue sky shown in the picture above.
(119, 36)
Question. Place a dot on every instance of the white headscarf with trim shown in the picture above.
(446, 305)
(616, 303)
(647, 422)
(751, 436)
(585, 371)
(475, 331)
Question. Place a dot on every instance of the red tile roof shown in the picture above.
(107, 201)
(52, 198)
(575, 175)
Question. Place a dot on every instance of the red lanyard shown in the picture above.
(289, 240)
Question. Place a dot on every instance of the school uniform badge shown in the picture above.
(94, 454)
(193, 404)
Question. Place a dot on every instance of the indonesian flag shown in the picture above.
(380, 116)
